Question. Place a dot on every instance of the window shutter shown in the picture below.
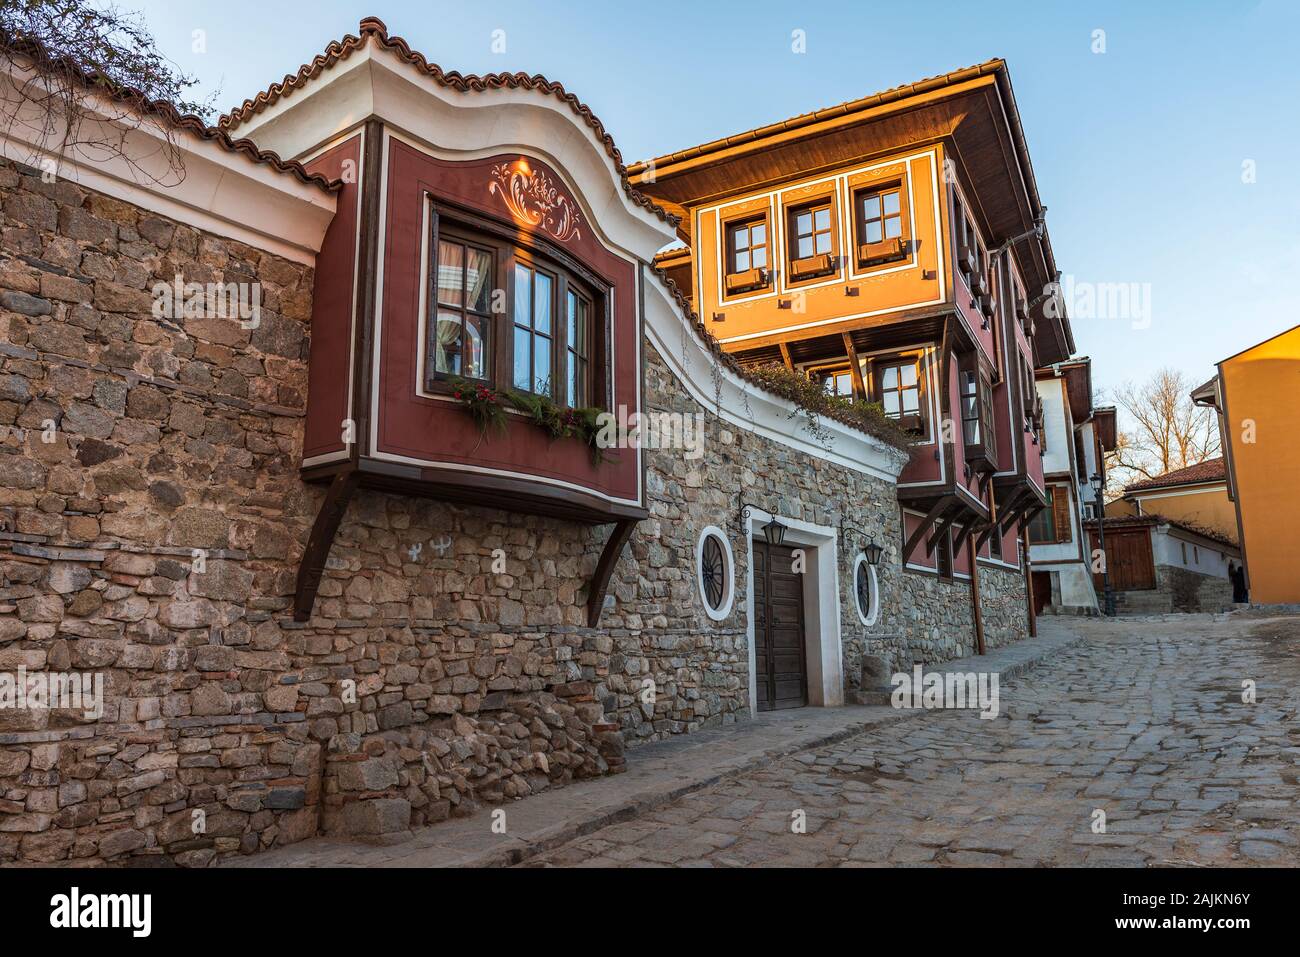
(1061, 513)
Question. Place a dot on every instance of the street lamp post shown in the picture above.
(1108, 597)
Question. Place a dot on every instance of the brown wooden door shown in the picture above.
(1042, 591)
(1128, 559)
(780, 662)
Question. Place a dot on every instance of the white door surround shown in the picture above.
(821, 600)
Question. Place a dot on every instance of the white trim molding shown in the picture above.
(214, 190)
(873, 616)
(723, 611)
(821, 601)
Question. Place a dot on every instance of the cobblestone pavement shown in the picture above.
(1143, 721)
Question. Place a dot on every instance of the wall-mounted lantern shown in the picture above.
(773, 531)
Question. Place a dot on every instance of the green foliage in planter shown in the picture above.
(488, 406)
(815, 403)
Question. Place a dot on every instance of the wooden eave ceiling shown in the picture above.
(1078, 388)
(971, 117)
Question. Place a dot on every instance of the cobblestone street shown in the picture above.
(1143, 720)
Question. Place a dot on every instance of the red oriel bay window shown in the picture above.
(512, 317)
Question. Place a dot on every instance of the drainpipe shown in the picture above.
(975, 593)
(1029, 583)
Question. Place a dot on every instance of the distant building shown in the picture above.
(1073, 440)
(1196, 496)
(1255, 394)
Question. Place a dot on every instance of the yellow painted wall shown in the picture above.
(1207, 506)
(756, 317)
(1262, 389)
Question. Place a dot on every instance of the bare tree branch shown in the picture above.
(92, 75)
(1168, 431)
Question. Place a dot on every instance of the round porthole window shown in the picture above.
(715, 572)
(866, 590)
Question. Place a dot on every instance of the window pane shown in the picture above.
(571, 316)
(742, 237)
(578, 342)
(523, 359)
(742, 261)
(446, 346)
(805, 247)
(911, 400)
(478, 280)
(891, 404)
(823, 243)
(474, 347)
(451, 270)
(893, 227)
(871, 207)
(908, 373)
(803, 224)
(760, 234)
(822, 218)
(523, 296)
(541, 365)
(571, 381)
(889, 377)
(891, 202)
(760, 257)
(542, 302)
(873, 232)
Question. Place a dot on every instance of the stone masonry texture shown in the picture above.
(151, 524)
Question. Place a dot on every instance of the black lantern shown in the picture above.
(873, 553)
(774, 531)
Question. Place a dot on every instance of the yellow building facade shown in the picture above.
(1257, 396)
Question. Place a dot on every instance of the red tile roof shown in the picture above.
(374, 28)
(1211, 470)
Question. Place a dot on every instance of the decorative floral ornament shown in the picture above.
(534, 202)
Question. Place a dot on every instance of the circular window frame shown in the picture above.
(867, 620)
(723, 611)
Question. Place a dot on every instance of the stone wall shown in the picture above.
(152, 534)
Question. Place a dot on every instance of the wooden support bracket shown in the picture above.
(605, 568)
(914, 539)
(323, 529)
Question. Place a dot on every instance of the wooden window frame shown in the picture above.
(919, 422)
(886, 251)
(800, 271)
(511, 248)
(1050, 513)
(967, 241)
(981, 453)
(756, 278)
(1058, 505)
(469, 239)
(821, 373)
(944, 557)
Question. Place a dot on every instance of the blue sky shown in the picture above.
(1138, 151)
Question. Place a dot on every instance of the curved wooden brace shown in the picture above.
(605, 568)
(317, 552)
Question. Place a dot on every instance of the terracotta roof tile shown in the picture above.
(1211, 470)
(372, 28)
(161, 110)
